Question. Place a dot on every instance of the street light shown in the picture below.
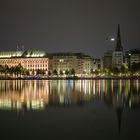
(112, 39)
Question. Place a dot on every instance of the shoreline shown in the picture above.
(74, 78)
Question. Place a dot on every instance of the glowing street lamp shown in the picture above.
(112, 39)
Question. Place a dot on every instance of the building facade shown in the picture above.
(107, 60)
(134, 56)
(62, 62)
(117, 59)
(30, 60)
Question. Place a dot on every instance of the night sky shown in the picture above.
(69, 25)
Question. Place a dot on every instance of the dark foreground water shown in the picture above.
(70, 110)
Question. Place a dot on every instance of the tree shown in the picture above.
(26, 72)
(55, 72)
(1, 69)
(135, 67)
(49, 73)
(115, 70)
(40, 72)
(11, 70)
(6, 69)
(91, 71)
(72, 72)
(96, 72)
(67, 72)
(61, 72)
(18, 70)
(122, 69)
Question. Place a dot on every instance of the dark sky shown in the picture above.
(69, 25)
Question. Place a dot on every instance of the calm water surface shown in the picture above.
(70, 109)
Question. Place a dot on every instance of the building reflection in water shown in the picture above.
(38, 94)
(20, 95)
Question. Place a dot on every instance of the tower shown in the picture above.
(117, 56)
(119, 44)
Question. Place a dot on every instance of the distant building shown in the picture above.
(117, 59)
(134, 56)
(117, 56)
(107, 60)
(114, 58)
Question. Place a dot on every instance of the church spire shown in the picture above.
(119, 44)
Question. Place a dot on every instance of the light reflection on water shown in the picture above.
(38, 94)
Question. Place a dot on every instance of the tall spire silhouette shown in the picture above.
(119, 44)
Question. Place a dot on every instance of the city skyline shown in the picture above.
(69, 26)
(70, 69)
(41, 62)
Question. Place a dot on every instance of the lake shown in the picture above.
(70, 109)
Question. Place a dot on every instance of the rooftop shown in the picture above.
(10, 54)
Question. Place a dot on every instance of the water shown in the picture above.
(69, 109)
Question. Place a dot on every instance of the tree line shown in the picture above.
(133, 69)
(19, 70)
(15, 71)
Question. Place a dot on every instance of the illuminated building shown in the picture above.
(81, 63)
(40, 60)
(30, 60)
